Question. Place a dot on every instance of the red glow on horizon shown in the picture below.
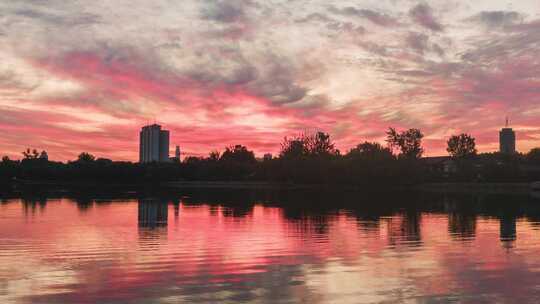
(203, 116)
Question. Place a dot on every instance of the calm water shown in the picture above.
(211, 250)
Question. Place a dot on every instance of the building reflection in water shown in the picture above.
(508, 230)
(274, 254)
(153, 213)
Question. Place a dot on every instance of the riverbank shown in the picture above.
(247, 185)
(487, 188)
(238, 185)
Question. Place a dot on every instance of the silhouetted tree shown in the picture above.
(8, 170)
(315, 145)
(408, 142)
(320, 144)
(214, 155)
(293, 148)
(33, 154)
(305, 159)
(238, 154)
(461, 146)
(533, 156)
(370, 151)
(85, 157)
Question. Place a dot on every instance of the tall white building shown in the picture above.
(154, 144)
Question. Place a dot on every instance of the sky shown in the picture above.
(87, 75)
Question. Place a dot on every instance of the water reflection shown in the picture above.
(31, 205)
(508, 230)
(153, 213)
(84, 203)
(462, 226)
(266, 248)
(176, 205)
(404, 228)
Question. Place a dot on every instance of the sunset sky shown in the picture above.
(86, 75)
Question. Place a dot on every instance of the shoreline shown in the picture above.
(483, 188)
(239, 185)
(444, 187)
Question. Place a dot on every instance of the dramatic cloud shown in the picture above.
(81, 76)
(373, 16)
(494, 19)
(224, 11)
(423, 15)
(56, 18)
(418, 42)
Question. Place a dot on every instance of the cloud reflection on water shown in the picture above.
(433, 249)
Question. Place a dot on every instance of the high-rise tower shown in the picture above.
(507, 140)
(177, 153)
(154, 144)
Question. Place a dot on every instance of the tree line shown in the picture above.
(303, 159)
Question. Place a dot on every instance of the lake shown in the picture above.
(243, 246)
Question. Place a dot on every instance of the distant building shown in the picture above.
(507, 140)
(177, 152)
(177, 155)
(154, 144)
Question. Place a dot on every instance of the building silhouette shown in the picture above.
(154, 144)
(507, 140)
(177, 153)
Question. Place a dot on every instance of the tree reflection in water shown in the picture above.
(283, 247)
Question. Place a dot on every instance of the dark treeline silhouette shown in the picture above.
(304, 159)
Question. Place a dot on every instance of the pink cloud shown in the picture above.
(212, 115)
